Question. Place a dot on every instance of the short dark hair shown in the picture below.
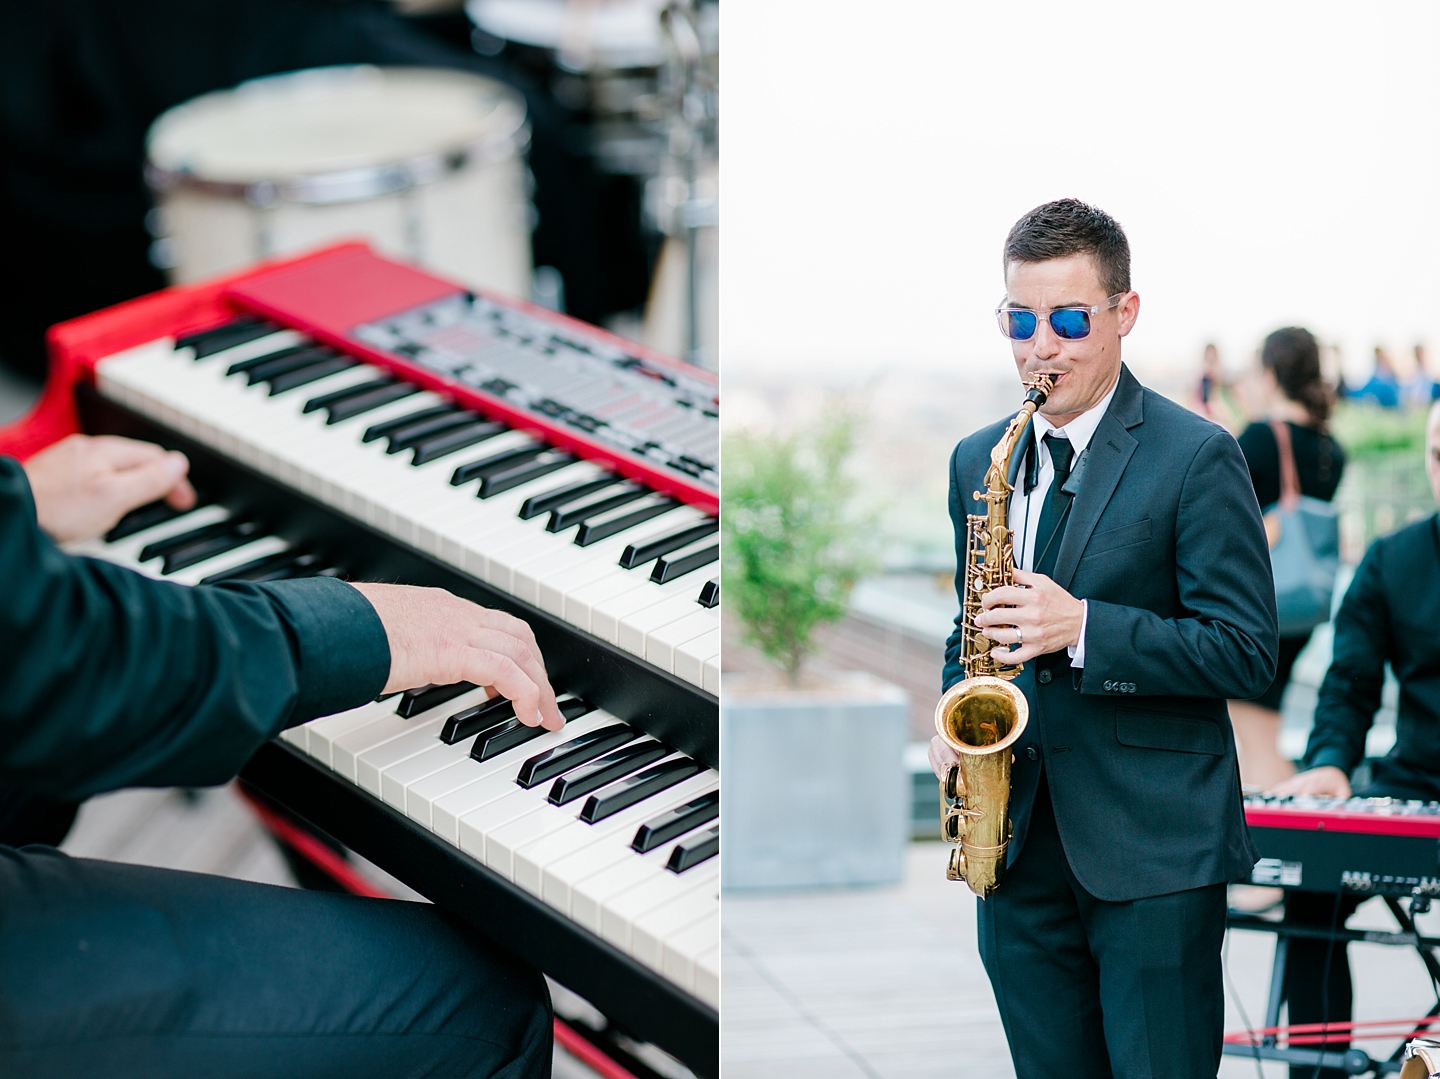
(1293, 355)
(1068, 227)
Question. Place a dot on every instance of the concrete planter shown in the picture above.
(816, 791)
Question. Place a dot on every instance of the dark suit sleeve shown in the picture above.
(113, 679)
(1350, 694)
(1225, 644)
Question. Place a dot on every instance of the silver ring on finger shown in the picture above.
(1019, 635)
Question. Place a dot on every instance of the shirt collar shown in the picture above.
(1081, 429)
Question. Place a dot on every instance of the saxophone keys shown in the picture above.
(956, 869)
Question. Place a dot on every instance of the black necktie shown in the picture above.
(1057, 506)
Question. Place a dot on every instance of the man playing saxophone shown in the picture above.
(1142, 601)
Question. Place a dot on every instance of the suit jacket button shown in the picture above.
(1109, 686)
(1044, 676)
(1032, 753)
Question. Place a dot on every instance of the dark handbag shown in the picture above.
(1304, 535)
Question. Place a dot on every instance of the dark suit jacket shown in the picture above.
(111, 679)
(1390, 614)
(1166, 543)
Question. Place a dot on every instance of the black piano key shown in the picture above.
(383, 430)
(497, 483)
(496, 462)
(455, 440)
(671, 541)
(361, 403)
(276, 567)
(266, 368)
(612, 766)
(535, 505)
(240, 367)
(710, 593)
(693, 850)
(325, 400)
(293, 380)
(402, 438)
(424, 698)
(565, 516)
(219, 338)
(637, 787)
(184, 557)
(477, 717)
(504, 737)
(163, 547)
(138, 520)
(678, 821)
(668, 569)
(567, 755)
(595, 531)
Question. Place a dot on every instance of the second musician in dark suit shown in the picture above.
(1145, 600)
(1390, 614)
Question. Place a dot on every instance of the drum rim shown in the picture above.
(363, 182)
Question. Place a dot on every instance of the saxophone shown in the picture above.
(983, 715)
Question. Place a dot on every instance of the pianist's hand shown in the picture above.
(439, 638)
(1324, 780)
(82, 485)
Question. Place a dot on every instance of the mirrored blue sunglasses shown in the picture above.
(1069, 323)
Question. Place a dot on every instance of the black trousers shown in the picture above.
(118, 970)
(1090, 989)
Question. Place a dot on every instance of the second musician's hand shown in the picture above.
(1048, 618)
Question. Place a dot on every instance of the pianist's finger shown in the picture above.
(438, 638)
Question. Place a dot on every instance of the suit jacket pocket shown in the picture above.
(1114, 538)
(1168, 730)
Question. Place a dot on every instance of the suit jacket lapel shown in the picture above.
(1107, 455)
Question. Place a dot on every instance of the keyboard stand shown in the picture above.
(628, 993)
(1262, 1044)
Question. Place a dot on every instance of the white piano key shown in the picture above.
(126, 552)
(707, 976)
(634, 629)
(650, 931)
(606, 615)
(681, 951)
(660, 905)
(591, 897)
(439, 800)
(530, 859)
(712, 675)
(345, 750)
(691, 657)
(321, 734)
(422, 735)
(662, 644)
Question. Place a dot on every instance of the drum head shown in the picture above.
(334, 120)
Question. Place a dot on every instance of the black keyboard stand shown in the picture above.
(631, 995)
(1352, 1061)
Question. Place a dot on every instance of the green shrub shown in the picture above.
(792, 553)
(1367, 431)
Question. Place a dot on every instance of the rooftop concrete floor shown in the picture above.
(886, 983)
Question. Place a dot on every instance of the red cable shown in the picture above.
(344, 874)
(310, 848)
(582, 1050)
(1320, 1033)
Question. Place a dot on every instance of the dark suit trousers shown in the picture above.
(117, 971)
(1091, 989)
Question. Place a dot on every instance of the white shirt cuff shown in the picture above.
(1077, 651)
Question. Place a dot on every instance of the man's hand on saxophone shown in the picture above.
(1035, 613)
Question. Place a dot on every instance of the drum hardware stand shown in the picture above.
(1263, 1044)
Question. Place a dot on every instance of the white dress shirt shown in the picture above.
(1025, 509)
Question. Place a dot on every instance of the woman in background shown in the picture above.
(1299, 397)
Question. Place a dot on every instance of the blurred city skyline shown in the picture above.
(1272, 165)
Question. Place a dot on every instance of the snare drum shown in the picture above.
(426, 164)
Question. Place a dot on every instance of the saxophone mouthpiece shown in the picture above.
(1037, 389)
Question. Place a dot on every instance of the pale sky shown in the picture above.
(1272, 163)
